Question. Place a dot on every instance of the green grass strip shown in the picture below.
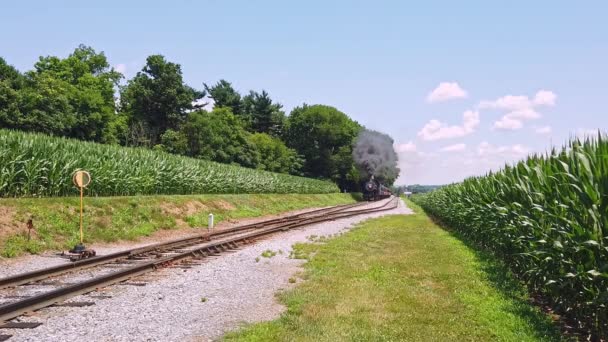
(402, 278)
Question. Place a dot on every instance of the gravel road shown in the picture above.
(194, 304)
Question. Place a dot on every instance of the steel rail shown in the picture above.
(36, 275)
(15, 309)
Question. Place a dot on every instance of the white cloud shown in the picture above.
(436, 130)
(466, 160)
(545, 98)
(520, 150)
(519, 108)
(508, 152)
(515, 119)
(121, 68)
(524, 114)
(430, 168)
(508, 102)
(407, 147)
(413, 166)
(483, 148)
(507, 123)
(454, 148)
(544, 130)
(446, 91)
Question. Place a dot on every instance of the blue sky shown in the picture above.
(376, 61)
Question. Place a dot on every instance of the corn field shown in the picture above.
(547, 217)
(36, 165)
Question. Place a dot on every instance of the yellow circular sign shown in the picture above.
(81, 178)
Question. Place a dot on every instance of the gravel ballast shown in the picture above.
(194, 304)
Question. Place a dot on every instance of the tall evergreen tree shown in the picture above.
(264, 116)
(224, 96)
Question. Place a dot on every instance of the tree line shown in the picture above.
(83, 97)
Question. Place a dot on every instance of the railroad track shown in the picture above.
(149, 258)
(29, 277)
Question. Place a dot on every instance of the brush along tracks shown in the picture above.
(135, 262)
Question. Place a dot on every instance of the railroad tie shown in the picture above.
(229, 247)
(5, 337)
(75, 304)
(20, 325)
(101, 297)
(48, 283)
(183, 267)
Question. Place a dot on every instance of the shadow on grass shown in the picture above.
(500, 277)
(357, 196)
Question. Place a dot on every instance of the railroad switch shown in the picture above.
(79, 252)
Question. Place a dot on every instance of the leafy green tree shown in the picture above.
(174, 142)
(91, 90)
(275, 155)
(346, 174)
(71, 97)
(224, 95)
(324, 136)
(45, 106)
(217, 135)
(9, 73)
(11, 82)
(157, 99)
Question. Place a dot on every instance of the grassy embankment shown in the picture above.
(127, 218)
(402, 278)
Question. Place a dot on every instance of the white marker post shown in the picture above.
(210, 222)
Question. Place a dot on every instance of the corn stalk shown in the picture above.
(37, 165)
(547, 217)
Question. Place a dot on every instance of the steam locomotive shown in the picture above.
(373, 190)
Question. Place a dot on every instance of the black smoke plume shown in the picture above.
(374, 154)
